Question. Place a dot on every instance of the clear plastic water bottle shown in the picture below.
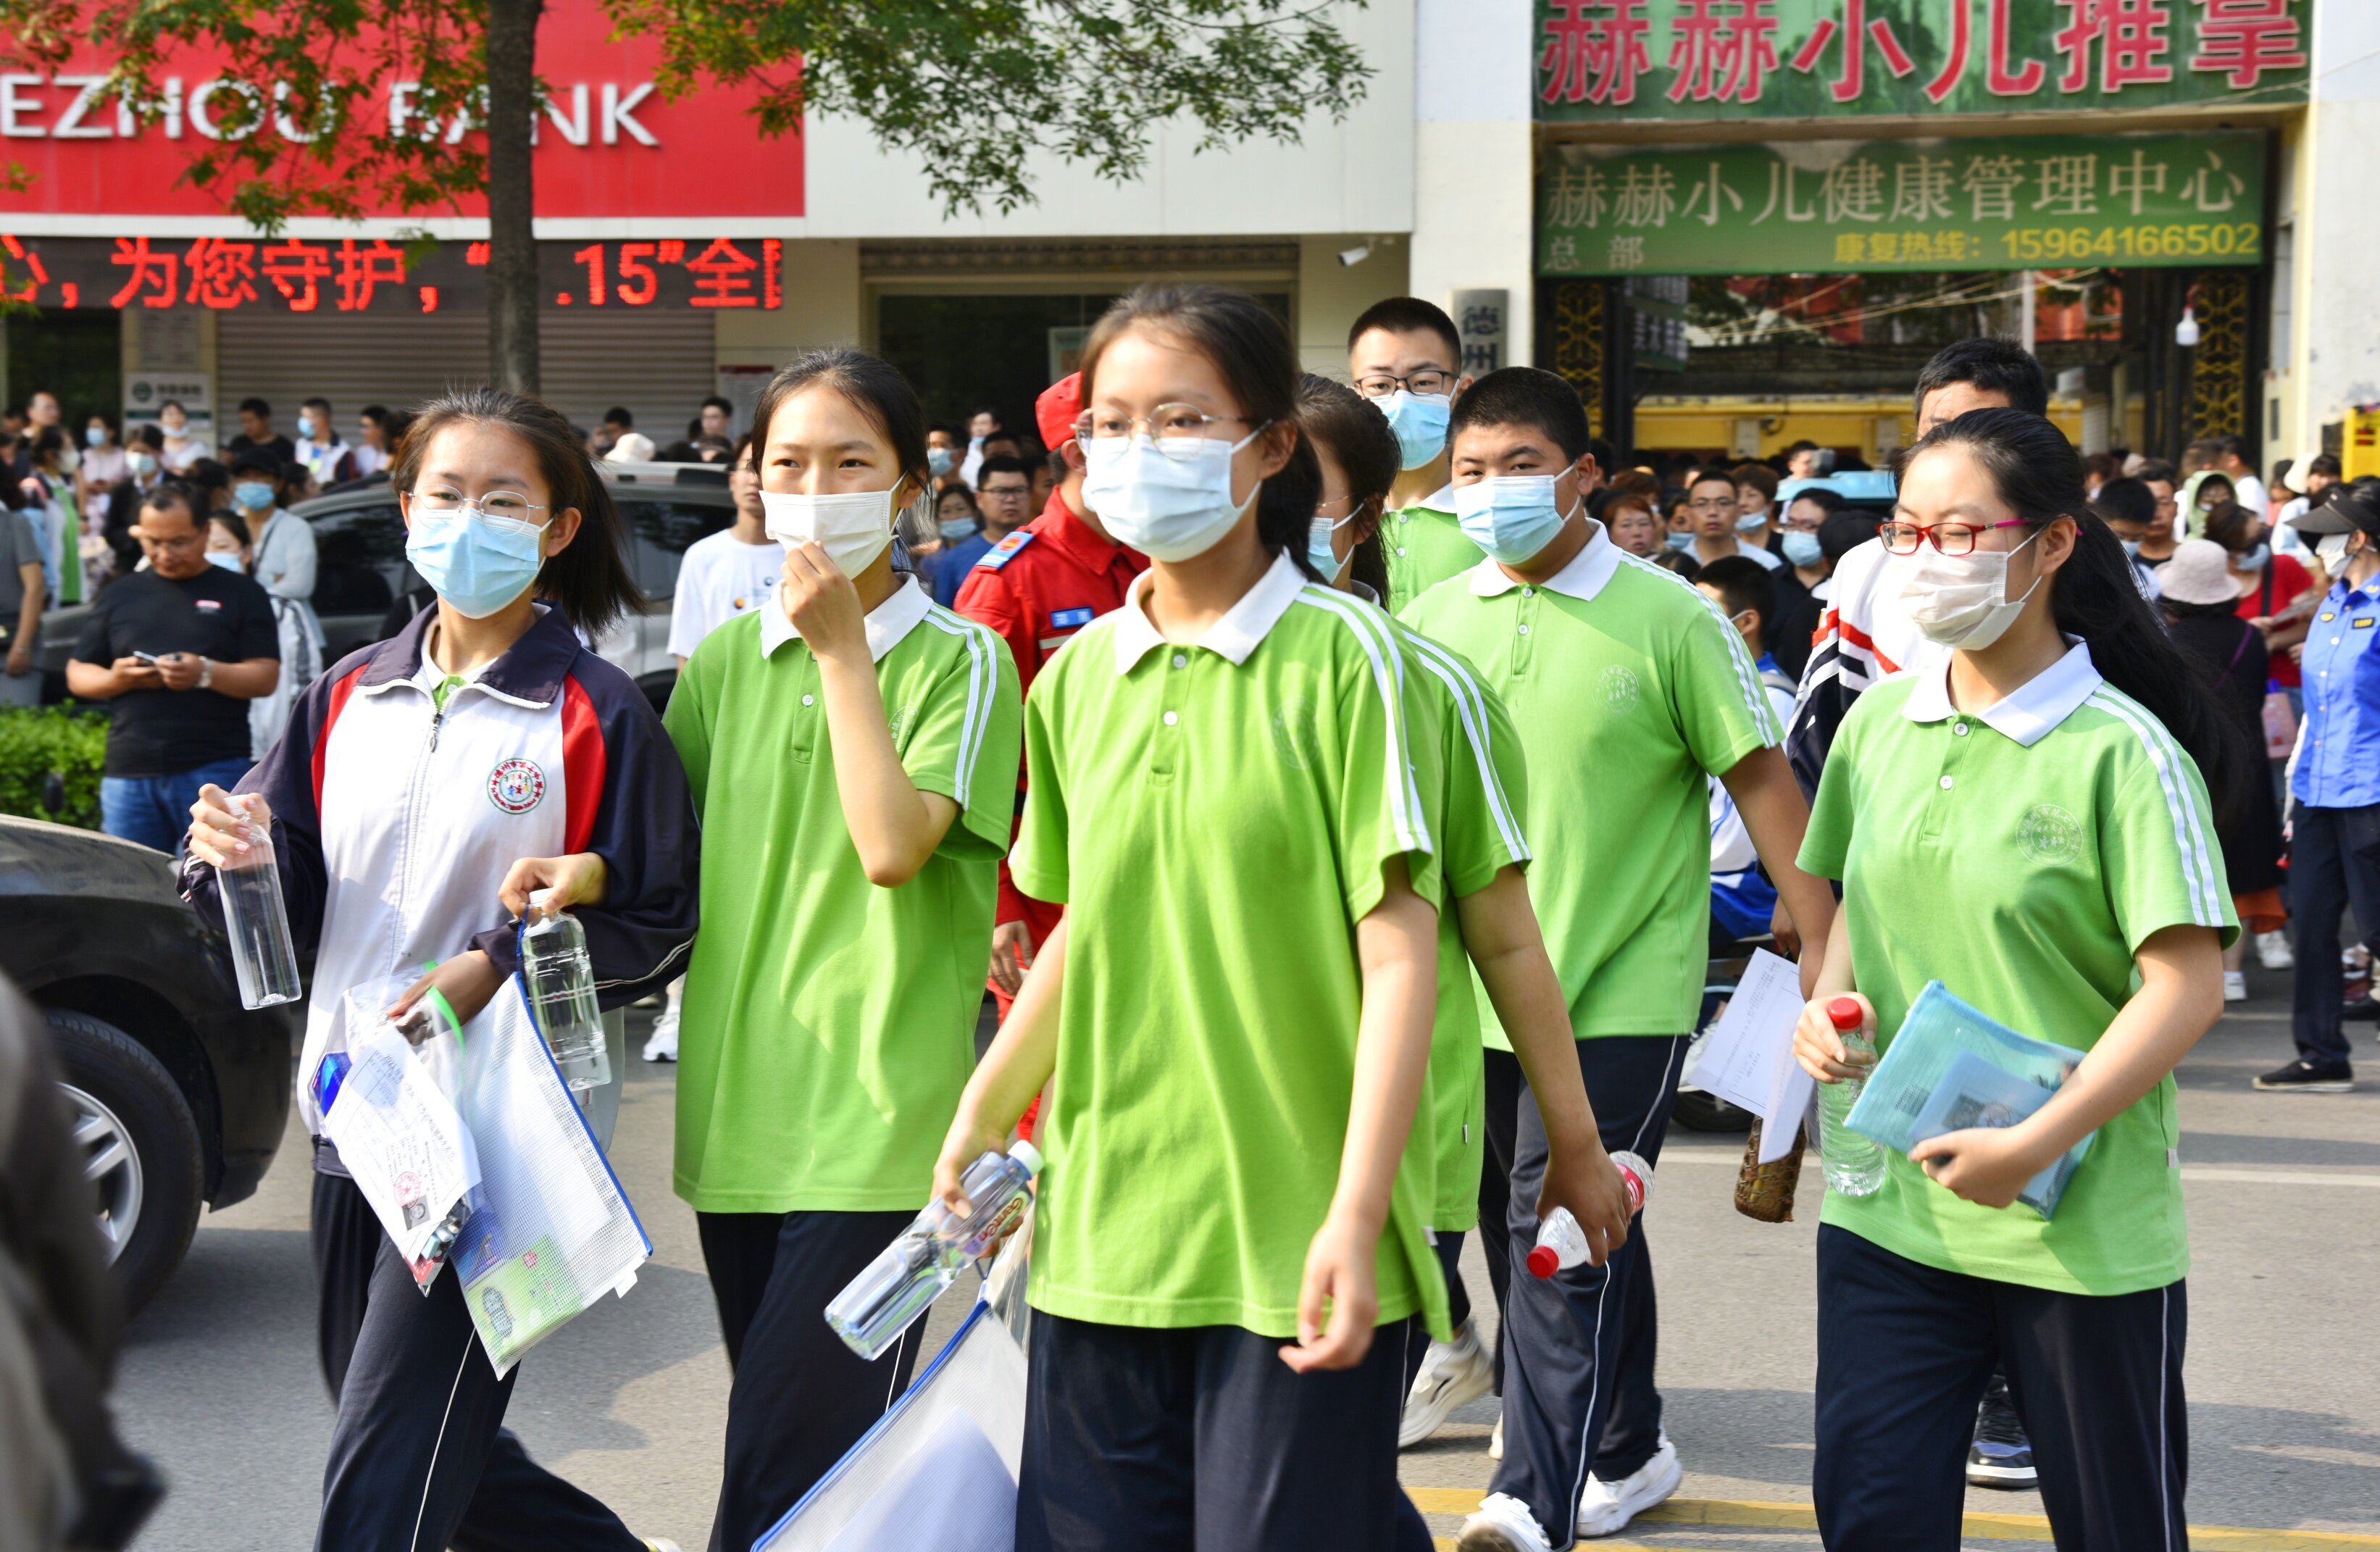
(1854, 1164)
(875, 1307)
(1561, 1244)
(562, 989)
(255, 919)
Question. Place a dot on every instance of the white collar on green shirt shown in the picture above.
(888, 622)
(2029, 713)
(1234, 635)
(1440, 499)
(1581, 579)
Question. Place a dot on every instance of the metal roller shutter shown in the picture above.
(661, 365)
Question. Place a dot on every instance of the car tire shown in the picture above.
(138, 1133)
(1698, 1110)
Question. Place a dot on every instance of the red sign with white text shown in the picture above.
(608, 147)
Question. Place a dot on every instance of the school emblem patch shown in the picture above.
(516, 787)
(1620, 687)
(1295, 741)
(2049, 834)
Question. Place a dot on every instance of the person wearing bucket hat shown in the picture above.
(2202, 594)
(2335, 783)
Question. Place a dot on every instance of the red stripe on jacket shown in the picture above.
(582, 765)
(338, 701)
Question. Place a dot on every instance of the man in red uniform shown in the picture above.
(1037, 588)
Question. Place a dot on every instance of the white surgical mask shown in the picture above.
(852, 527)
(1510, 517)
(2331, 551)
(1169, 508)
(1962, 600)
(142, 463)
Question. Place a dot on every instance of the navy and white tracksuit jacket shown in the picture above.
(394, 821)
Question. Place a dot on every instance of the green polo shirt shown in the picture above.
(2021, 857)
(1423, 546)
(1627, 687)
(1476, 804)
(1216, 818)
(829, 1024)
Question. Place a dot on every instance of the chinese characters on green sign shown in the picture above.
(1697, 59)
(2124, 202)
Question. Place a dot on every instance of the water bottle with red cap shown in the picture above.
(1854, 1164)
(1561, 1244)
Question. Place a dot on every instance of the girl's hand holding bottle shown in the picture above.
(578, 878)
(223, 827)
(1818, 1044)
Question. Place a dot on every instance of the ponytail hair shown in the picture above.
(2035, 471)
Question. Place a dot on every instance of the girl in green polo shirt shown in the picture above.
(1233, 1023)
(2028, 823)
(852, 748)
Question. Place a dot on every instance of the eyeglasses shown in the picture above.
(1949, 538)
(180, 546)
(1004, 493)
(1716, 504)
(1429, 382)
(1177, 429)
(509, 504)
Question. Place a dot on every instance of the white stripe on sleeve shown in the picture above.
(1389, 678)
(2190, 827)
(983, 683)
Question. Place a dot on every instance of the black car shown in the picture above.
(360, 572)
(180, 1094)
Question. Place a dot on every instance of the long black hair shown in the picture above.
(588, 581)
(2035, 471)
(1336, 416)
(1252, 354)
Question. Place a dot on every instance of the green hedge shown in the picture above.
(61, 738)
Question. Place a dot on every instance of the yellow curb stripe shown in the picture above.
(1982, 1527)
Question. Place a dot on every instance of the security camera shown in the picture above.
(1351, 257)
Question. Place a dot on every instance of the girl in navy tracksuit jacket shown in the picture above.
(423, 787)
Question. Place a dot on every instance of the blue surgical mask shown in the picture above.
(305, 427)
(938, 461)
(1419, 422)
(1681, 541)
(227, 559)
(1802, 547)
(2254, 559)
(2132, 548)
(1168, 507)
(252, 495)
(1751, 521)
(1512, 518)
(1318, 550)
(95, 435)
(479, 564)
(957, 528)
(142, 463)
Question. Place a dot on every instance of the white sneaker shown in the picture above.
(662, 1044)
(1503, 1524)
(1452, 1373)
(1606, 1507)
(1496, 1441)
(2273, 950)
(2235, 986)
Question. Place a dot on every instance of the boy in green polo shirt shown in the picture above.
(1628, 687)
(1405, 355)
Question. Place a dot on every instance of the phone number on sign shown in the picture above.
(2222, 239)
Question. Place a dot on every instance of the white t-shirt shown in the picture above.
(2251, 491)
(721, 578)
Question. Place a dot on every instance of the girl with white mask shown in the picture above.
(1233, 1019)
(852, 748)
(2029, 822)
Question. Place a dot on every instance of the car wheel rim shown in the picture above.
(113, 1166)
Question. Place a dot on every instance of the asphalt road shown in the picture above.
(219, 1381)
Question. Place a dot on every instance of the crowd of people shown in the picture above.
(1340, 788)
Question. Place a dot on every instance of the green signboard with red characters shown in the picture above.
(1603, 60)
(2061, 201)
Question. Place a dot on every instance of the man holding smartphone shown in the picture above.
(181, 648)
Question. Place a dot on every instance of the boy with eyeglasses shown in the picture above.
(1405, 356)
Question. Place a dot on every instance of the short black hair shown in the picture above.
(1407, 315)
(1741, 584)
(720, 401)
(316, 402)
(172, 495)
(2231, 445)
(1708, 473)
(254, 406)
(2127, 501)
(148, 435)
(376, 414)
(2324, 463)
(257, 458)
(619, 416)
(1002, 463)
(1525, 396)
(1845, 531)
(2160, 470)
(1993, 366)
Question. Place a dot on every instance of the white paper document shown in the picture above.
(400, 1137)
(1749, 1059)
